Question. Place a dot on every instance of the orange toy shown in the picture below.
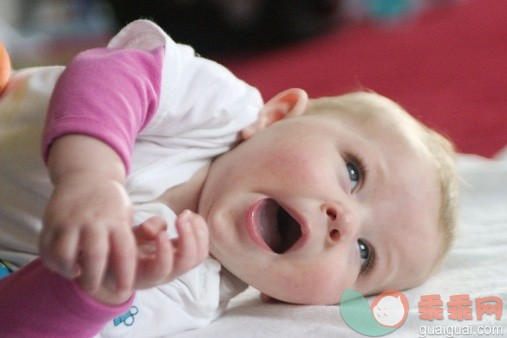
(5, 67)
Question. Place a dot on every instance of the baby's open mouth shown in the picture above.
(277, 227)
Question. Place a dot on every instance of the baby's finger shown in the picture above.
(164, 259)
(200, 229)
(150, 229)
(93, 257)
(191, 243)
(123, 258)
(157, 269)
(59, 250)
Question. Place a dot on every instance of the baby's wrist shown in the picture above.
(110, 297)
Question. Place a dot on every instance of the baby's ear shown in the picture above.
(290, 102)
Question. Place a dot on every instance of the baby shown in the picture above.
(298, 198)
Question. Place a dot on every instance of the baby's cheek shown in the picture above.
(324, 285)
(304, 167)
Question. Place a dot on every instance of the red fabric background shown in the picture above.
(448, 67)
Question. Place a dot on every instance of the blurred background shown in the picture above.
(52, 29)
(444, 60)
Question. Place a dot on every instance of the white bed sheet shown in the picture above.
(476, 266)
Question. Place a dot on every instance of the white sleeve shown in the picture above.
(200, 99)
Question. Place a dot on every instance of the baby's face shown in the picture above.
(315, 204)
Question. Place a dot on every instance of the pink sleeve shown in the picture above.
(109, 94)
(36, 302)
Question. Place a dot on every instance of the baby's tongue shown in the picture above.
(268, 223)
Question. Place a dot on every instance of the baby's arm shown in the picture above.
(100, 103)
(88, 218)
(37, 302)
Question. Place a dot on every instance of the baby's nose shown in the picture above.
(341, 221)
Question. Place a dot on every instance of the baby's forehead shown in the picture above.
(376, 109)
(387, 120)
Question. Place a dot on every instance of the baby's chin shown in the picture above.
(301, 298)
(270, 300)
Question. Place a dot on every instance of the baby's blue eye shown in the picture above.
(354, 174)
(364, 252)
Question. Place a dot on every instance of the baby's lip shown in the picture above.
(275, 227)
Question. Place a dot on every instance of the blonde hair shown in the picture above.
(364, 106)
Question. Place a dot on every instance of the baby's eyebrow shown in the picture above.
(388, 263)
(372, 262)
(381, 265)
(365, 271)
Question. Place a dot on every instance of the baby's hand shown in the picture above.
(87, 224)
(159, 259)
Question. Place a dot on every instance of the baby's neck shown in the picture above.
(185, 195)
